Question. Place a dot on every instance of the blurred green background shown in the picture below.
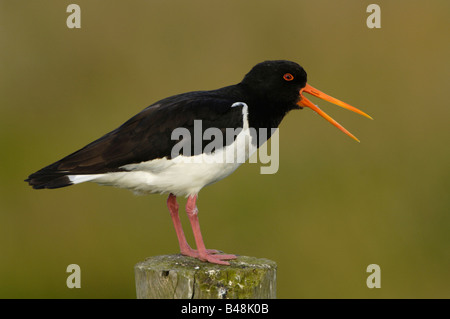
(333, 208)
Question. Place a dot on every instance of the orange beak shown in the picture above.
(304, 102)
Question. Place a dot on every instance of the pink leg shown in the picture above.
(172, 204)
(203, 254)
(185, 249)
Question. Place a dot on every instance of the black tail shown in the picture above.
(48, 178)
(104, 155)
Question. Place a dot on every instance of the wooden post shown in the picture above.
(181, 277)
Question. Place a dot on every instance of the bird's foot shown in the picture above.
(217, 258)
(188, 251)
(210, 255)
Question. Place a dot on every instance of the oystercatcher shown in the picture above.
(139, 154)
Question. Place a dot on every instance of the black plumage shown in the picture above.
(147, 135)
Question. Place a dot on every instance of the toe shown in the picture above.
(225, 257)
(215, 260)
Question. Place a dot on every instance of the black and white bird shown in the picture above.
(139, 155)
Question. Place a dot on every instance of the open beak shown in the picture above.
(304, 102)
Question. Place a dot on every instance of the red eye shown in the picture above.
(288, 77)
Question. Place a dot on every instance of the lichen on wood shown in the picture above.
(181, 277)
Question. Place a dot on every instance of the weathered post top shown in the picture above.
(181, 277)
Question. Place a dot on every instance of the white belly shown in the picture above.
(181, 175)
(178, 179)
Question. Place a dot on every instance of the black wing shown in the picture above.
(144, 137)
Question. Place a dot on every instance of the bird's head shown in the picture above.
(283, 83)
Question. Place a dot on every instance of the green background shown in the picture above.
(333, 208)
